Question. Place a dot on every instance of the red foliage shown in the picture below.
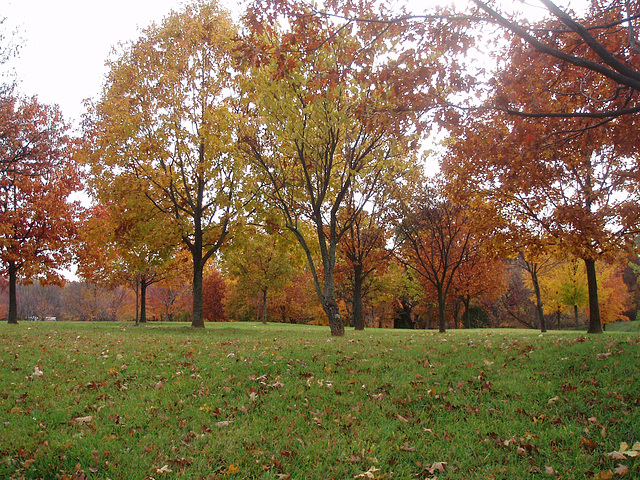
(213, 292)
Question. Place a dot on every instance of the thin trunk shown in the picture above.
(143, 299)
(467, 311)
(595, 325)
(539, 311)
(13, 303)
(575, 314)
(358, 280)
(558, 315)
(137, 300)
(264, 306)
(441, 311)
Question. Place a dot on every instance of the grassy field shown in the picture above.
(277, 402)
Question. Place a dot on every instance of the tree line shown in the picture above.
(285, 152)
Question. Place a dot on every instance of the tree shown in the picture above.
(214, 290)
(124, 241)
(600, 46)
(364, 246)
(435, 238)
(37, 222)
(260, 262)
(334, 107)
(167, 117)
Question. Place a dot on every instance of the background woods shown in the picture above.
(279, 167)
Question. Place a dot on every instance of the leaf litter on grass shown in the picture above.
(290, 404)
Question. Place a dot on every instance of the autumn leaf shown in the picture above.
(549, 470)
(371, 473)
(604, 475)
(407, 448)
(163, 469)
(83, 420)
(233, 469)
(621, 470)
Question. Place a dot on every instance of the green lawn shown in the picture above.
(104, 400)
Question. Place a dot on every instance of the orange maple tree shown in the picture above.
(37, 222)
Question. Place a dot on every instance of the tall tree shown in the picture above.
(167, 116)
(37, 222)
(335, 106)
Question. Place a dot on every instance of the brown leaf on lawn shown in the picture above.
(83, 420)
(371, 473)
(621, 470)
(225, 423)
(407, 448)
(616, 456)
(587, 444)
(604, 475)
(164, 469)
(549, 470)
(402, 419)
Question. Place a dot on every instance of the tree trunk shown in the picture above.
(13, 303)
(332, 310)
(358, 280)
(595, 325)
(264, 306)
(143, 299)
(137, 300)
(467, 311)
(441, 311)
(558, 313)
(539, 311)
(197, 317)
(575, 315)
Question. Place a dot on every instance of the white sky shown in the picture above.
(65, 43)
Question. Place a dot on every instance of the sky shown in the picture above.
(65, 43)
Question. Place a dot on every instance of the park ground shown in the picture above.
(245, 400)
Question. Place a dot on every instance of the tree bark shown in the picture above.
(539, 311)
(441, 311)
(143, 299)
(595, 325)
(332, 310)
(358, 280)
(575, 314)
(13, 303)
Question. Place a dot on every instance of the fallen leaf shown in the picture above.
(616, 456)
(164, 469)
(224, 423)
(407, 448)
(621, 470)
(37, 372)
(371, 473)
(233, 469)
(604, 475)
(83, 420)
(549, 470)
(588, 444)
(553, 400)
(402, 419)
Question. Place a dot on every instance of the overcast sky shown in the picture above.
(65, 42)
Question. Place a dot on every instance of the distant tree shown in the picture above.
(37, 175)
(214, 290)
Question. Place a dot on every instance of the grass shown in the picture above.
(108, 400)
